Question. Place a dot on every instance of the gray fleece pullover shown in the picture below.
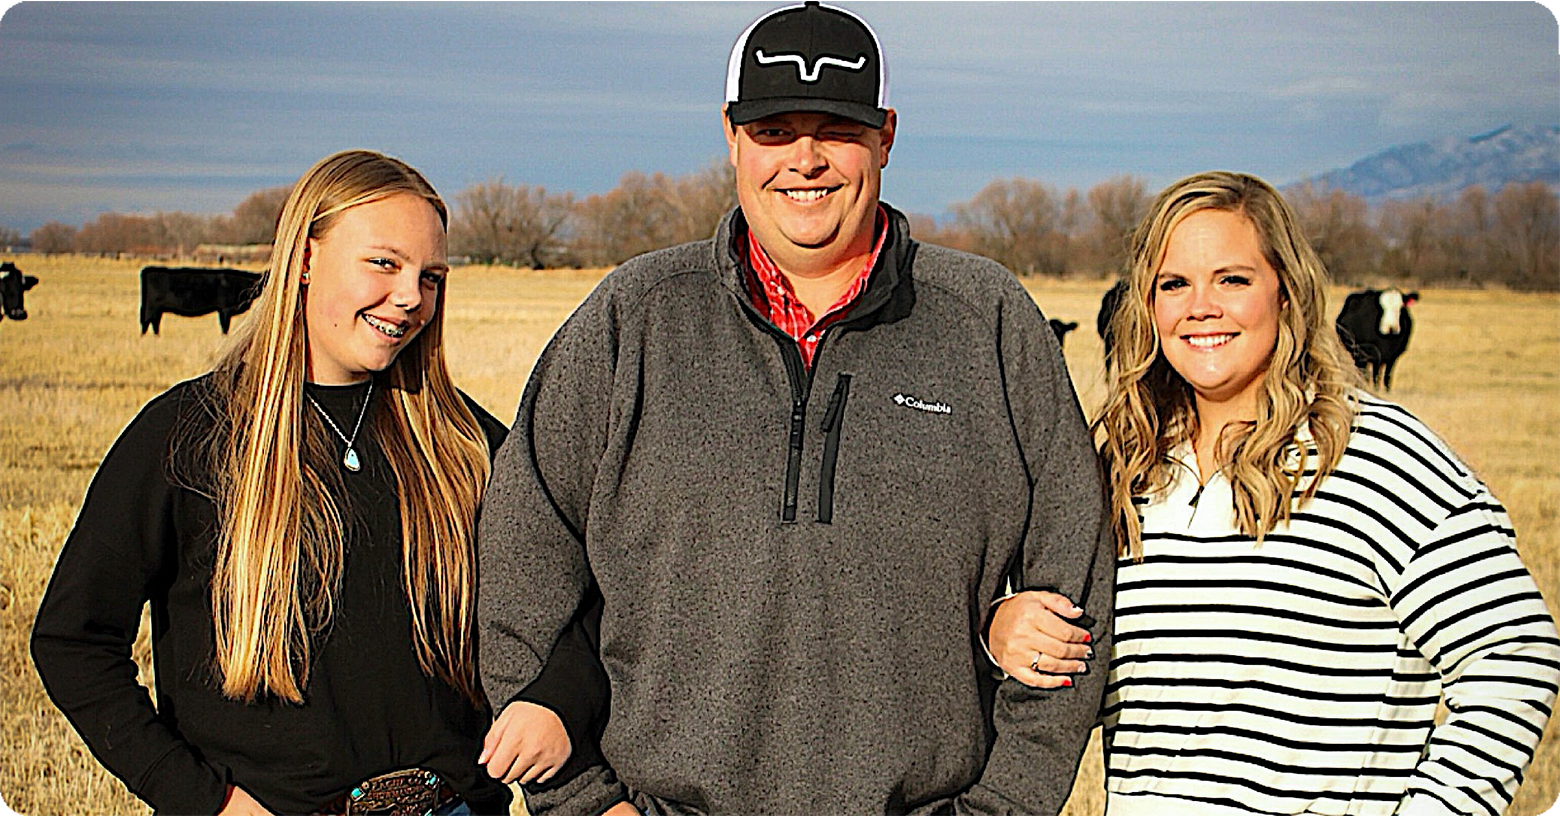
(797, 566)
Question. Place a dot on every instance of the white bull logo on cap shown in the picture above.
(817, 66)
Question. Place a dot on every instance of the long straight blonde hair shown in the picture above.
(1310, 381)
(277, 484)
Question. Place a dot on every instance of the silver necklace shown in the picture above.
(350, 460)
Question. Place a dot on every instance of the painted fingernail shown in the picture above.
(1088, 638)
(1067, 681)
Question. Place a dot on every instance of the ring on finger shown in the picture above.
(1034, 665)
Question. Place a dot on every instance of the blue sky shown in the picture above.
(137, 107)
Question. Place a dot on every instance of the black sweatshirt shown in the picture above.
(369, 708)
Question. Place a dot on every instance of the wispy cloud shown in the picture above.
(206, 97)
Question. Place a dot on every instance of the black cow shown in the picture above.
(1109, 303)
(1374, 326)
(192, 292)
(13, 285)
(1061, 329)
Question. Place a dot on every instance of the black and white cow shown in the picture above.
(1109, 303)
(193, 291)
(1374, 326)
(13, 287)
(1060, 329)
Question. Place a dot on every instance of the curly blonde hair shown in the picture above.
(1310, 381)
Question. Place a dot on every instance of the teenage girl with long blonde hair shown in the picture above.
(301, 522)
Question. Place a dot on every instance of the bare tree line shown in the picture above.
(1510, 237)
(491, 222)
(494, 222)
(166, 234)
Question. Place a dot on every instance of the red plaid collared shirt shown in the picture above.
(774, 298)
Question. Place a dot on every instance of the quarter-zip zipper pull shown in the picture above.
(793, 459)
(1196, 497)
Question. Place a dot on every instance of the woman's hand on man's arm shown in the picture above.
(1031, 640)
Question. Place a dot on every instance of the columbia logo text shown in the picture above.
(920, 405)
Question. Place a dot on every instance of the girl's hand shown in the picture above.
(527, 743)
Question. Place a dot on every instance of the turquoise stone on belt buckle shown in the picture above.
(410, 792)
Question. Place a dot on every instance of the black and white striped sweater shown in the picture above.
(1302, 674)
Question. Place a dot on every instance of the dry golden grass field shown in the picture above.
(1484, 370)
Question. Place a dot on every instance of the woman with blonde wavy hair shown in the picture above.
(301, 522)
(1305, 569)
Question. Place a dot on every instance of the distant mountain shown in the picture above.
(1441, 169)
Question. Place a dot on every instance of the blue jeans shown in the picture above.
(455, 808)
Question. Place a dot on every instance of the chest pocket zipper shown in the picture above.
(833, 420)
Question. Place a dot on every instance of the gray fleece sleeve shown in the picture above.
(1041, 733)
(532, 569)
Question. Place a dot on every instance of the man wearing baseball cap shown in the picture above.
(799, 461)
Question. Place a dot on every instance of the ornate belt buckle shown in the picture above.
(411, 792)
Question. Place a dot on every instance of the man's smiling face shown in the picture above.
(808, 184)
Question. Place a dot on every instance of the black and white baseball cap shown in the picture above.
(811, 57)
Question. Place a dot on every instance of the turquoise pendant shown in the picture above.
(350, 461)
